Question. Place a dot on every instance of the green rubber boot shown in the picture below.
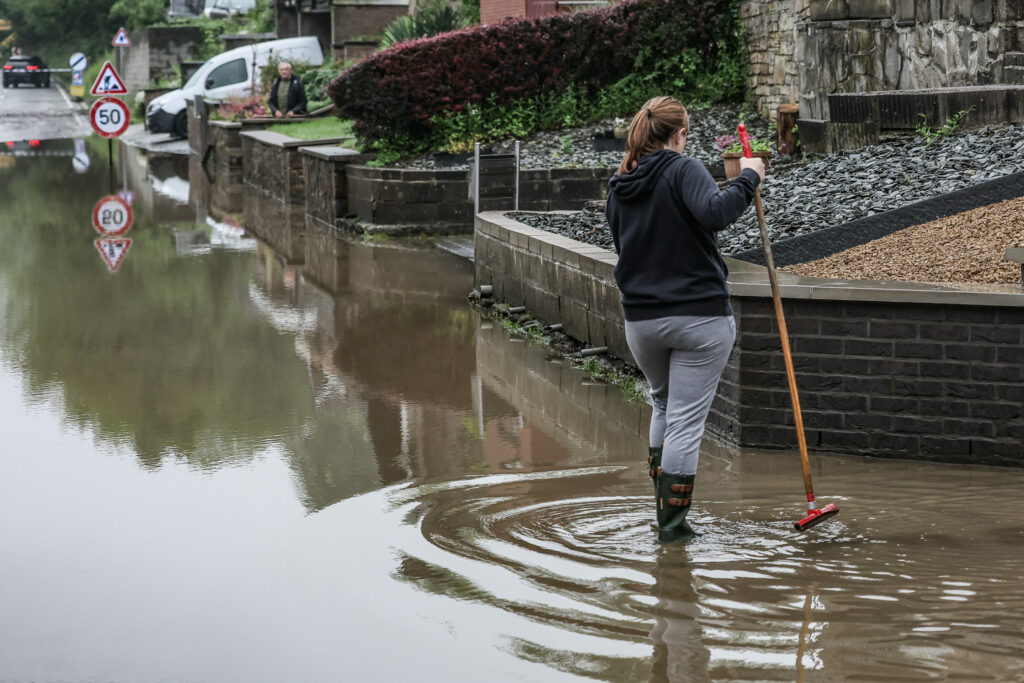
(654, 464)
(674, 495)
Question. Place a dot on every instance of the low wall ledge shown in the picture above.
(751, 280)
(328, 152)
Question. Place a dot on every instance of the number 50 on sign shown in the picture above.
(109, 117)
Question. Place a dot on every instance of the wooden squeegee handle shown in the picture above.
(783, 333)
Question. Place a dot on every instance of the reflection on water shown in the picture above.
(216, 469)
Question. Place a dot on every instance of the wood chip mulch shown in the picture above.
(966, 248)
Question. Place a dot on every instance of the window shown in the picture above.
(227, 74)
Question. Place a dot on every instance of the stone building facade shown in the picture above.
(804, 50)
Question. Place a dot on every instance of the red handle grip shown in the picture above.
(744, 140)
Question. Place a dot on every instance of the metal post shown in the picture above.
(517, 176)
(110, 160)
(476, 178)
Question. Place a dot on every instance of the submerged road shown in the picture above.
(29, 113)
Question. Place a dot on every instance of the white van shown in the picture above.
(229, 74)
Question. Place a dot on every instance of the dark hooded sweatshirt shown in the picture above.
(664, 215)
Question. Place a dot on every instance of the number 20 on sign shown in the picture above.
(112, 216)
(109, 117)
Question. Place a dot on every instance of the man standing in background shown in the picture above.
(287, 96)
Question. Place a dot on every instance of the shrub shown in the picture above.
(406, 90)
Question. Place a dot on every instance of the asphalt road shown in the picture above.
(30, 113)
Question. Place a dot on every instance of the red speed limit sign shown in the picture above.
(112, 216)
(109, 117)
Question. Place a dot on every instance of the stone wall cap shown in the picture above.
(328, 152)
(225, 124)
(269, 138)
(286, 141)
(749, 279)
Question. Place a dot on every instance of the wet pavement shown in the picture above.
(217, 467)
(30, 113)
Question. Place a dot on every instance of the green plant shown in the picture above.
(756, 145)
(566, 145)
(431, 19)
(952, 123)
(628, 384)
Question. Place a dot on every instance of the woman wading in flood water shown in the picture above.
(664, 210)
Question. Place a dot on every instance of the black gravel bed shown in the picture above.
(574, 147)
(836, 189)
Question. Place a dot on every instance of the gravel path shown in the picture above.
(967, 247)
(574, 147)
(802, 198)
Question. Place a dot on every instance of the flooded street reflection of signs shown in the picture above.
(227, 465)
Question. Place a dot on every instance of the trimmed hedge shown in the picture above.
(398, 91)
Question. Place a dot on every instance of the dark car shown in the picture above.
(26, 70)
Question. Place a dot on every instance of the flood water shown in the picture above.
(214, 469)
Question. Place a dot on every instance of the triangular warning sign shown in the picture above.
(108, 82)
(113, 251)
(121, 39)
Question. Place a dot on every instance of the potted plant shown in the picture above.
(731, 150)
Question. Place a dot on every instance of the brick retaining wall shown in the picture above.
(884, 369)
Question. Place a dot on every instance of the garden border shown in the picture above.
(828, 241)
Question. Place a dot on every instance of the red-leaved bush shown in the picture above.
(399, 90)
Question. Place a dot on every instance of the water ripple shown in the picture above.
(574, 551)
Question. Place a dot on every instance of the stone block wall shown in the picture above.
(438, 200)
(772, 27)
(912, 372)
(558, 279)
(804, 50)
(862, 46)
(226, 163)
(272, 164)
(156, 53)
(325, 169)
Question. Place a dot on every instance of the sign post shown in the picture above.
(121, 41)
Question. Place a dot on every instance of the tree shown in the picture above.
(66, 25)
(135, 14)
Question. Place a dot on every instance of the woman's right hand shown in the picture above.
(755, 164)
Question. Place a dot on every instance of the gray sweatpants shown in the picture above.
(682, 358)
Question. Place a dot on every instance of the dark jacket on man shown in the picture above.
(663, 216)
(296, 96)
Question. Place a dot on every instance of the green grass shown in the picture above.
(315, 129)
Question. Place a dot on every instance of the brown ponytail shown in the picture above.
(658, 120)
